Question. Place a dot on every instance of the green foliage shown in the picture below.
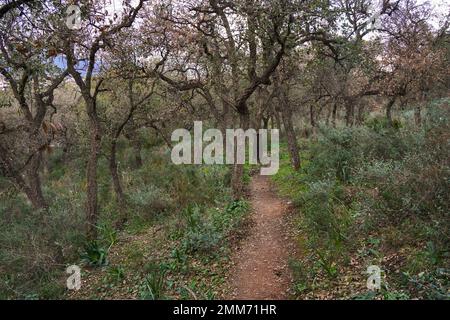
(395, 295)
(33, 243)
(116, 274)
(151, 200)
(381, 123)
(379, 185)
(30, 261)
(202, 239)
(207, 228)
(107, 235)
(94, 254)
(432, 284)
(302, 275)
(153, 285)
(96, 251)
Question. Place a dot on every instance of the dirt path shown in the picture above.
(261, 270)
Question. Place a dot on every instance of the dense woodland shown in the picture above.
(358, 88)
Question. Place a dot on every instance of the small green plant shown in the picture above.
(179, 256)
(94, 254)
(237, 206)
(153, 285)
(327, 264)
(192, 215)
(301, 276)
(116, 274)
(201, 239)
(201, 234)
(395, 295)
(108, 235)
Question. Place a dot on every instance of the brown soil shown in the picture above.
(261, 270)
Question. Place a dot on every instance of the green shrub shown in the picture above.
(200, 234)
(381, 123)
(94, 254)
(151, 200)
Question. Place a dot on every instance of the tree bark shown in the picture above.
(117, 185)
(237, 184)
(334, 115)
(349, 113)
(34, 182)
(360, 117)
(286, 116)
(33, 193)
(276, 116)
(312, 119)
(137, 153)
(266, 122)
(389, 106)
(291, 139)
(417, 115)
(92, 184)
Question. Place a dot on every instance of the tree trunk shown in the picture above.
(32, 193)
(334, 115)
(349, 113)
(34, 181)
(292, 141)
(237, 184)
(312, 118)
(137, 153)
(266, 122)
(389, 111)
(327, 121)
(92, 184)
(360, 117)
(276, 115)
(286, 115)
(117, 185)
(417, 115)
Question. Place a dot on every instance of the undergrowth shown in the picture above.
(373, 195)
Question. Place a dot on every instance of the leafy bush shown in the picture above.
(380, 123)
(201, 234)
(207, 228)
(151, 200)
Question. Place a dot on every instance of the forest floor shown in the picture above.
(255, 268)
(261, 268)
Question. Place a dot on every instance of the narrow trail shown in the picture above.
(260, 265)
